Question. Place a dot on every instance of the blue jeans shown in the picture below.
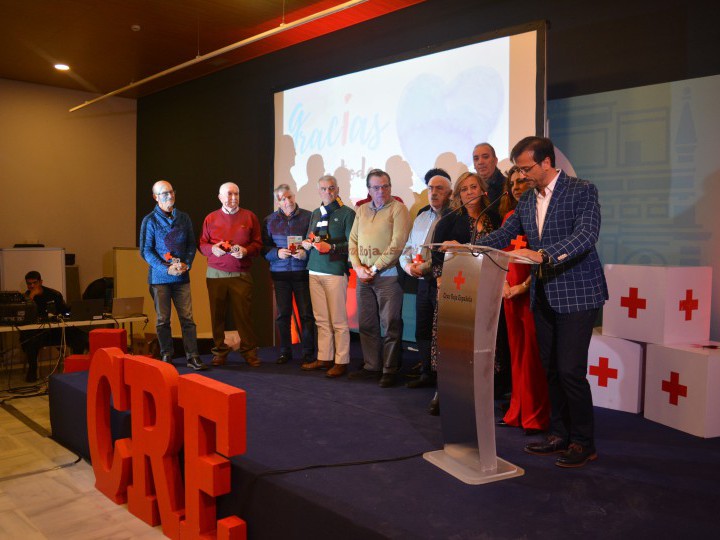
(179, 294)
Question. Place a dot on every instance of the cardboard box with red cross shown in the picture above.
(658, 304)
(615, 372)
(682, 387)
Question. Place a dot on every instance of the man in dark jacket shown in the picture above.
(49, 302)
(283, 232)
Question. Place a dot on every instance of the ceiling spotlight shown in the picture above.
(62, 67)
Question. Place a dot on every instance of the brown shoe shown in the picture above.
(218, 360)
(576, 456)
(251, 358)
(338, 370)
(317, 364)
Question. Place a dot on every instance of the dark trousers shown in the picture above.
(33, 340)
(284, 291)
(425, 302)
(563, 342)
(380, 323)
(232, 293)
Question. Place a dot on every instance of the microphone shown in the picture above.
(435, 246)
(483, 212)
(483, 194)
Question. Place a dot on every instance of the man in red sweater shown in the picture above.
(230, 239)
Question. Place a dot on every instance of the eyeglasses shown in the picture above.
(163, 195)
(525, 170)
(380, 187)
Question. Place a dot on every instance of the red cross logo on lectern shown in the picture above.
(633, 302)
(674, 388)
(603, 371)
(459, 280)
(689, 305)
(519, 242)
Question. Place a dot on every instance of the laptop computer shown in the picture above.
(127, 307)
(87, 310)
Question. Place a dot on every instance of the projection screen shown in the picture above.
(412, 114)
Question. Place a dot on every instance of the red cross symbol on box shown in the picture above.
(689, 305)
(674, 388)
(603, 371)
(459, 280)
(633, 302)
(519, 242)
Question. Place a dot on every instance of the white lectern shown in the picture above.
(468, 311)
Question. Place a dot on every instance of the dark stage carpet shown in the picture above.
(340, 459)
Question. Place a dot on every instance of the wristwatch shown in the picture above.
(545, 256)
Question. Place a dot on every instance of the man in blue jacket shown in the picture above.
(283, 232)
(561, 220)
(167, 243)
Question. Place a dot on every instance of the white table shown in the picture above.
(50, 325)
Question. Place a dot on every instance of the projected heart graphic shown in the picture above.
(435, 116)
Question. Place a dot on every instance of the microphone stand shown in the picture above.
(482, 213)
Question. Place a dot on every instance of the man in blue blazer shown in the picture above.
(561, 220)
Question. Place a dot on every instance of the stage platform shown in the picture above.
(340, 459)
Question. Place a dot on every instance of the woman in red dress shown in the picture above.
(529, 401)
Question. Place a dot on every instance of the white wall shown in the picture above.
(67, 179)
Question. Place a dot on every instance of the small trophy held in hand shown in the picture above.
(175, 266)
(174, 261)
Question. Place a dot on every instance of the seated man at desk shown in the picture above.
(49, 302)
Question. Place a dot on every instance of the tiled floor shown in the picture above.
(38, 500)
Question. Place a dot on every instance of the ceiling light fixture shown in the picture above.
(258, 37)
(62, 67)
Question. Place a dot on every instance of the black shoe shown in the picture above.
(424, 381)
(363, 374)
(576, 456)
(551, 445)
(387, 380)
(283, 359)
(195, 363)
(434, 408)
(503, 423)
(166, 358)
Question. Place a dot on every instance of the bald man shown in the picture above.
(231, 237)
(167, 243)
